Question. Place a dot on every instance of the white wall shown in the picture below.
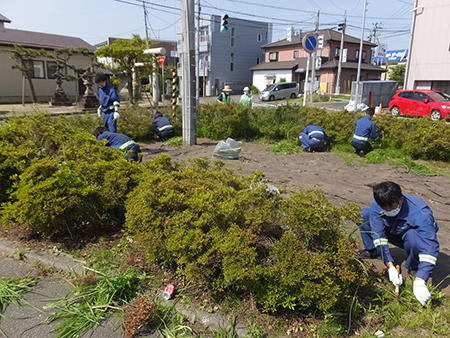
(260, 82)
(429, 54)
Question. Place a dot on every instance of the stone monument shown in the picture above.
(59, 98)
(89, 99)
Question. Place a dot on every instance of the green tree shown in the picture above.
(24, 57)
(397, 73)
(125, 53)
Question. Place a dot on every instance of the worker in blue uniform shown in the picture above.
(109, 103)
(364, 130)
(162, 127)
(121, 141)
(407, 222)
(313, 138)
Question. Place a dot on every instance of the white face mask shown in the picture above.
(392, 213)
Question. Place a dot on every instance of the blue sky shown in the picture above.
(96, 20)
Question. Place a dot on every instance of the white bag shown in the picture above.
(228, 150)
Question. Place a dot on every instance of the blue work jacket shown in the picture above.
(364, 130)
(414, 214)
(161, 123)
(115, 140)
(316, 132)
(108, 98)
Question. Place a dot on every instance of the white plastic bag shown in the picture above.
(350, 106)
(362, 107)
(228, 150)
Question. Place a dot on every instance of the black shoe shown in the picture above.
(361, 153)
(372, 254)
(307, 149)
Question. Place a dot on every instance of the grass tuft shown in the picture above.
(285, 147)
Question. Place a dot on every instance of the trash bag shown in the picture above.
(362, 107)
(350, 106)
(228, 150)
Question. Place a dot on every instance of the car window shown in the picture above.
(406, 95)
(292, 85)
(271, 87)
(439, 96)
(282, 86)
(418, 96)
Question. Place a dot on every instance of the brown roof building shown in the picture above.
(288, 60)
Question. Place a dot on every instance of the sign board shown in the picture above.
(380, 50)
(174, 53)
(310, 42)
(344, 55)
(161, 60)
(318, 62)
(393, 55)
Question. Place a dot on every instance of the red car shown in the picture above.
(421, 103)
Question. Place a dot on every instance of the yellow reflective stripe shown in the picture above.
(361, 138)
(427, 258)
(126, 144)
(116, 103)
(165, 127)
(380, 241)
(316, 132)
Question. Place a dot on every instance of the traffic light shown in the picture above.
(174, 89)
(341, 26)
(224, 23)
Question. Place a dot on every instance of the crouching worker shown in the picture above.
(407, 222)
(162, 127)
(313, 138)
(121, 141)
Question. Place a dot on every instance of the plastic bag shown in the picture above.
(350, 106)
(362, 107)
(228, 150)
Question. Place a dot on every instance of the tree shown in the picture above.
(24, 57)
(397, 73)
(125, 53)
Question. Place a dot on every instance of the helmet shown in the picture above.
(246, 89)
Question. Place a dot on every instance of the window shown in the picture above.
(259, 37)
(364, 56)
(51, 69)
(295, 54)
(257, 61)
(337, 51)
(418, 96)
(37, 67)
(357, 54)
(406, 95)
(204, 31)
(273, 56)
(231, 62)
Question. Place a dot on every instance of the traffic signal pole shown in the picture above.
(188, 61)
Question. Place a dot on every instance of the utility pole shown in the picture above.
(360, 53)
(197, 51)
(313, 70)
(188, 60)
(341, 55)
(145, 21)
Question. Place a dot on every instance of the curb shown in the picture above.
(58, 260)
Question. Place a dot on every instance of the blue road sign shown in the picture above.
(310, 42)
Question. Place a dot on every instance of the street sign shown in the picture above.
(310, 42)
(344, 55)
(161, 60)
(318, 62)
(320, 42)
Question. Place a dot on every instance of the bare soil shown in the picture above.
(340, 182)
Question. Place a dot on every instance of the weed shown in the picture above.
(89, 304)
(285, 147)
(175, 141)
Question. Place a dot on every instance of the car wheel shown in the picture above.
(272, 98)
(395, 111)
(293, 96)
(435, 115)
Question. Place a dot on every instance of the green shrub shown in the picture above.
(209, 225)
(85, 183)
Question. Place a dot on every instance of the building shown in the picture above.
(43, 68)
(287, 60)
(428, 65)
(225, 58)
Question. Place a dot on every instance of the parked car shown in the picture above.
(278, 91)
(431, 103)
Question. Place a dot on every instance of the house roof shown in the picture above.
(351, 65)
(292, 64)
(4, 19)
(10, 37)
(329, 35)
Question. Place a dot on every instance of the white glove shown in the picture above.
(99, 112)
(421, 292)
(394, 277)
(116, 115)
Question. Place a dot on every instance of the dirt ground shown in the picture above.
(340, 182)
